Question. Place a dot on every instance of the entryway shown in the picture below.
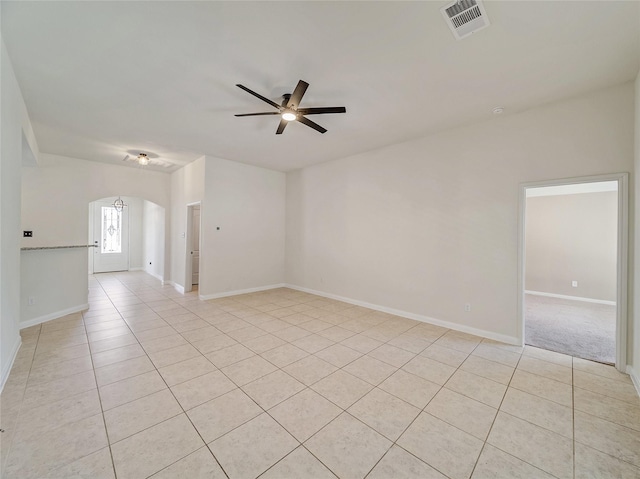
(110, 235)
(573, 267)
(128, 234)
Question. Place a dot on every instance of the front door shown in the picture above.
(111, 236)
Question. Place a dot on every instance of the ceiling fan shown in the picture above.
(289, 109)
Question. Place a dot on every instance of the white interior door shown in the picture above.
(195, 249)
(111, 235)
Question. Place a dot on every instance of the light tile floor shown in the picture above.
(282, 384)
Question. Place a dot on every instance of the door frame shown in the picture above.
(188, 269)
(622, 254)
(107, 201)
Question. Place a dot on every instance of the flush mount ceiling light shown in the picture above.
(497, 110)
(289, 109)
(152, 160)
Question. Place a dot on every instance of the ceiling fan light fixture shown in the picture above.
(289, 116)
(288, 110)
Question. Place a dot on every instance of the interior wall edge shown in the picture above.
(156, 276)
(55, 315)
(178, 287)
(6, 370)
(417, 317)
(635, 378)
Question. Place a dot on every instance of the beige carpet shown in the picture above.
(578, 328)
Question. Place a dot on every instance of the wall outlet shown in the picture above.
(27, 234)
(32, 300)
(574, 284)
(467, 307)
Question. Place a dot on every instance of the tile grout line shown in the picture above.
(104, 421)
(484, 443)
(191, 304)
(183, 412)
(533, 424)
(395, 443)
(309, 354)
(374, 387)
(6, 463)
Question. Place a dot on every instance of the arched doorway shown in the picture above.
(126, 238)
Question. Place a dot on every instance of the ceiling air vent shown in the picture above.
(465, 17)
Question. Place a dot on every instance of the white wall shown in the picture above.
(247, 203)
(187, 186)
(55, 204)
(573, 238)
(15, 135)
(153, 236)
(56, 280)
(136, 255)
(430, 225)
(634, 334)
(57, 193)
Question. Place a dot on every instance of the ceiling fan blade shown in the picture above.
(322, 110)
(297, 94)
(281, 126)
(257, 95)
(258, 114)
(309, 123)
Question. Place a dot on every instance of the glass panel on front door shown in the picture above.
(111, 230)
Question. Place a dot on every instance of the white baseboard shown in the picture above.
(6, 368)
(55, 315)
(178, 287)
(573, 298)
(204, 297)
(136, 269)
(635, 378)
(418, 317)
(156, 276)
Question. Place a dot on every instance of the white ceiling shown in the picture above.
(104, 78)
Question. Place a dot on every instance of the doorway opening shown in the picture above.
(573, 251)
(193, 239)
(131, 238)
(109, 232)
